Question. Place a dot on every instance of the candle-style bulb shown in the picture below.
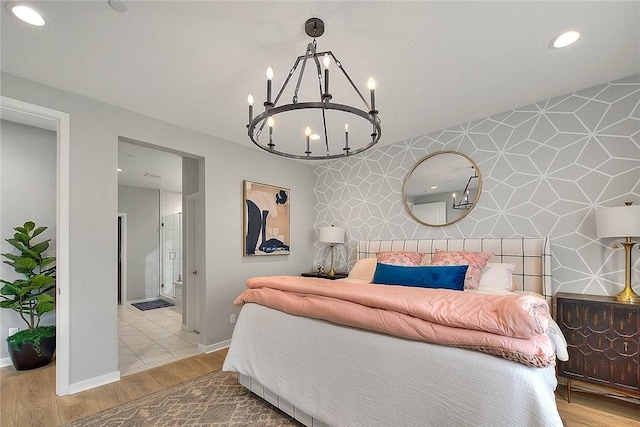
(326, 61)
(270, 122)
(269, 73)
(307, 131)
(250, 101)
(346, 127)
(371, 84)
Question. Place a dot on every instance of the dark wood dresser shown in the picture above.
(603, 337)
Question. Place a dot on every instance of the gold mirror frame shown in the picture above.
(443, 176)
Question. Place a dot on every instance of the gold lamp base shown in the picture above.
(627, 294)
(332, 272)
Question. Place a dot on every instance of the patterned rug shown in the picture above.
(214, 399)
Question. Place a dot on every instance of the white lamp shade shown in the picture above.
(620, 221)
(332, 234)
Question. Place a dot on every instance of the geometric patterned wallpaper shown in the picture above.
(545, 168)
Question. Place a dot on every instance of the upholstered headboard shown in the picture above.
(532, 256)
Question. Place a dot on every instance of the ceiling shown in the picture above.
(436, 63)
(149, 168)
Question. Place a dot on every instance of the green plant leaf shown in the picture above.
(21, 237)
(38, 231)
(45, 304)
(47, 261)
(13, 305)
(31, 253)
(40, 247)
(24, 265)
(9, 289)
(41, 281)
(29, 225)
(10, 256)
(16, 244)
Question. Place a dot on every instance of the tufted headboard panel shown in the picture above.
(532, 256)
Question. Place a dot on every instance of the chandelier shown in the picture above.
(465, 203)
(305, 121)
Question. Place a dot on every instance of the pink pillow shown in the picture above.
(399, 258)
(475, 260)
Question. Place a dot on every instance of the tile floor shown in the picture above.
(151, 338)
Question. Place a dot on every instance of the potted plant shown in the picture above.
(30, 297)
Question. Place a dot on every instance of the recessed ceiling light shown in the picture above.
(26, 14)
(118, 5)
(564, 39)
(119, 170)
(433, 187)
(314, 137)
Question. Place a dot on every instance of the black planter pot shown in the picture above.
(27, 358)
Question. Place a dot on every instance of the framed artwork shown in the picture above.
(267, 219)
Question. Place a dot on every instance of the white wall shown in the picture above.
(142, 206)
(95, 129)
(28, 186)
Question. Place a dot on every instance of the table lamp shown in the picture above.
(621, 221)
(332, 235)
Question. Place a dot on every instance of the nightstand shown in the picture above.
(325, 276)
(603, 342)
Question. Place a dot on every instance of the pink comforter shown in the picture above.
(509, 326)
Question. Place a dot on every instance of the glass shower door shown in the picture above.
(171, 253)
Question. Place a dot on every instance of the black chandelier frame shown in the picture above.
(314, 27)
(465, 203)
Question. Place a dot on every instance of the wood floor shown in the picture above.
(28, 398)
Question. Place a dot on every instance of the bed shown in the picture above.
(327, 374)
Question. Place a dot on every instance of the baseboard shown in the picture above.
(5, 361)
(94, 382)
(214, 347)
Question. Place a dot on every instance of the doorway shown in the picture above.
(35, 115)
(150, 197)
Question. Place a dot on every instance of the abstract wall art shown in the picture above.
(267, 220)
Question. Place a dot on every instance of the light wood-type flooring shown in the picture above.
(28, 398)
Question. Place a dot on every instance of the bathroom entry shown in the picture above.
(150, 194)
(171, 253)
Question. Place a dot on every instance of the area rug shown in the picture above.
(214, 399)
(150, 305)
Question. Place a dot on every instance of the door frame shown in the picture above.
(190, 288)
(32, 112)
(123, 261)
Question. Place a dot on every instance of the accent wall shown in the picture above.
(545, 168)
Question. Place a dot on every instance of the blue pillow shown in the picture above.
(424, 276)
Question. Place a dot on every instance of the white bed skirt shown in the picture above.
(342, 376)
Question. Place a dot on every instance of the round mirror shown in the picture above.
(442, 188)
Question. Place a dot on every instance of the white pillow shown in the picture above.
(497, 275)
(364, 269)
(559, 342)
